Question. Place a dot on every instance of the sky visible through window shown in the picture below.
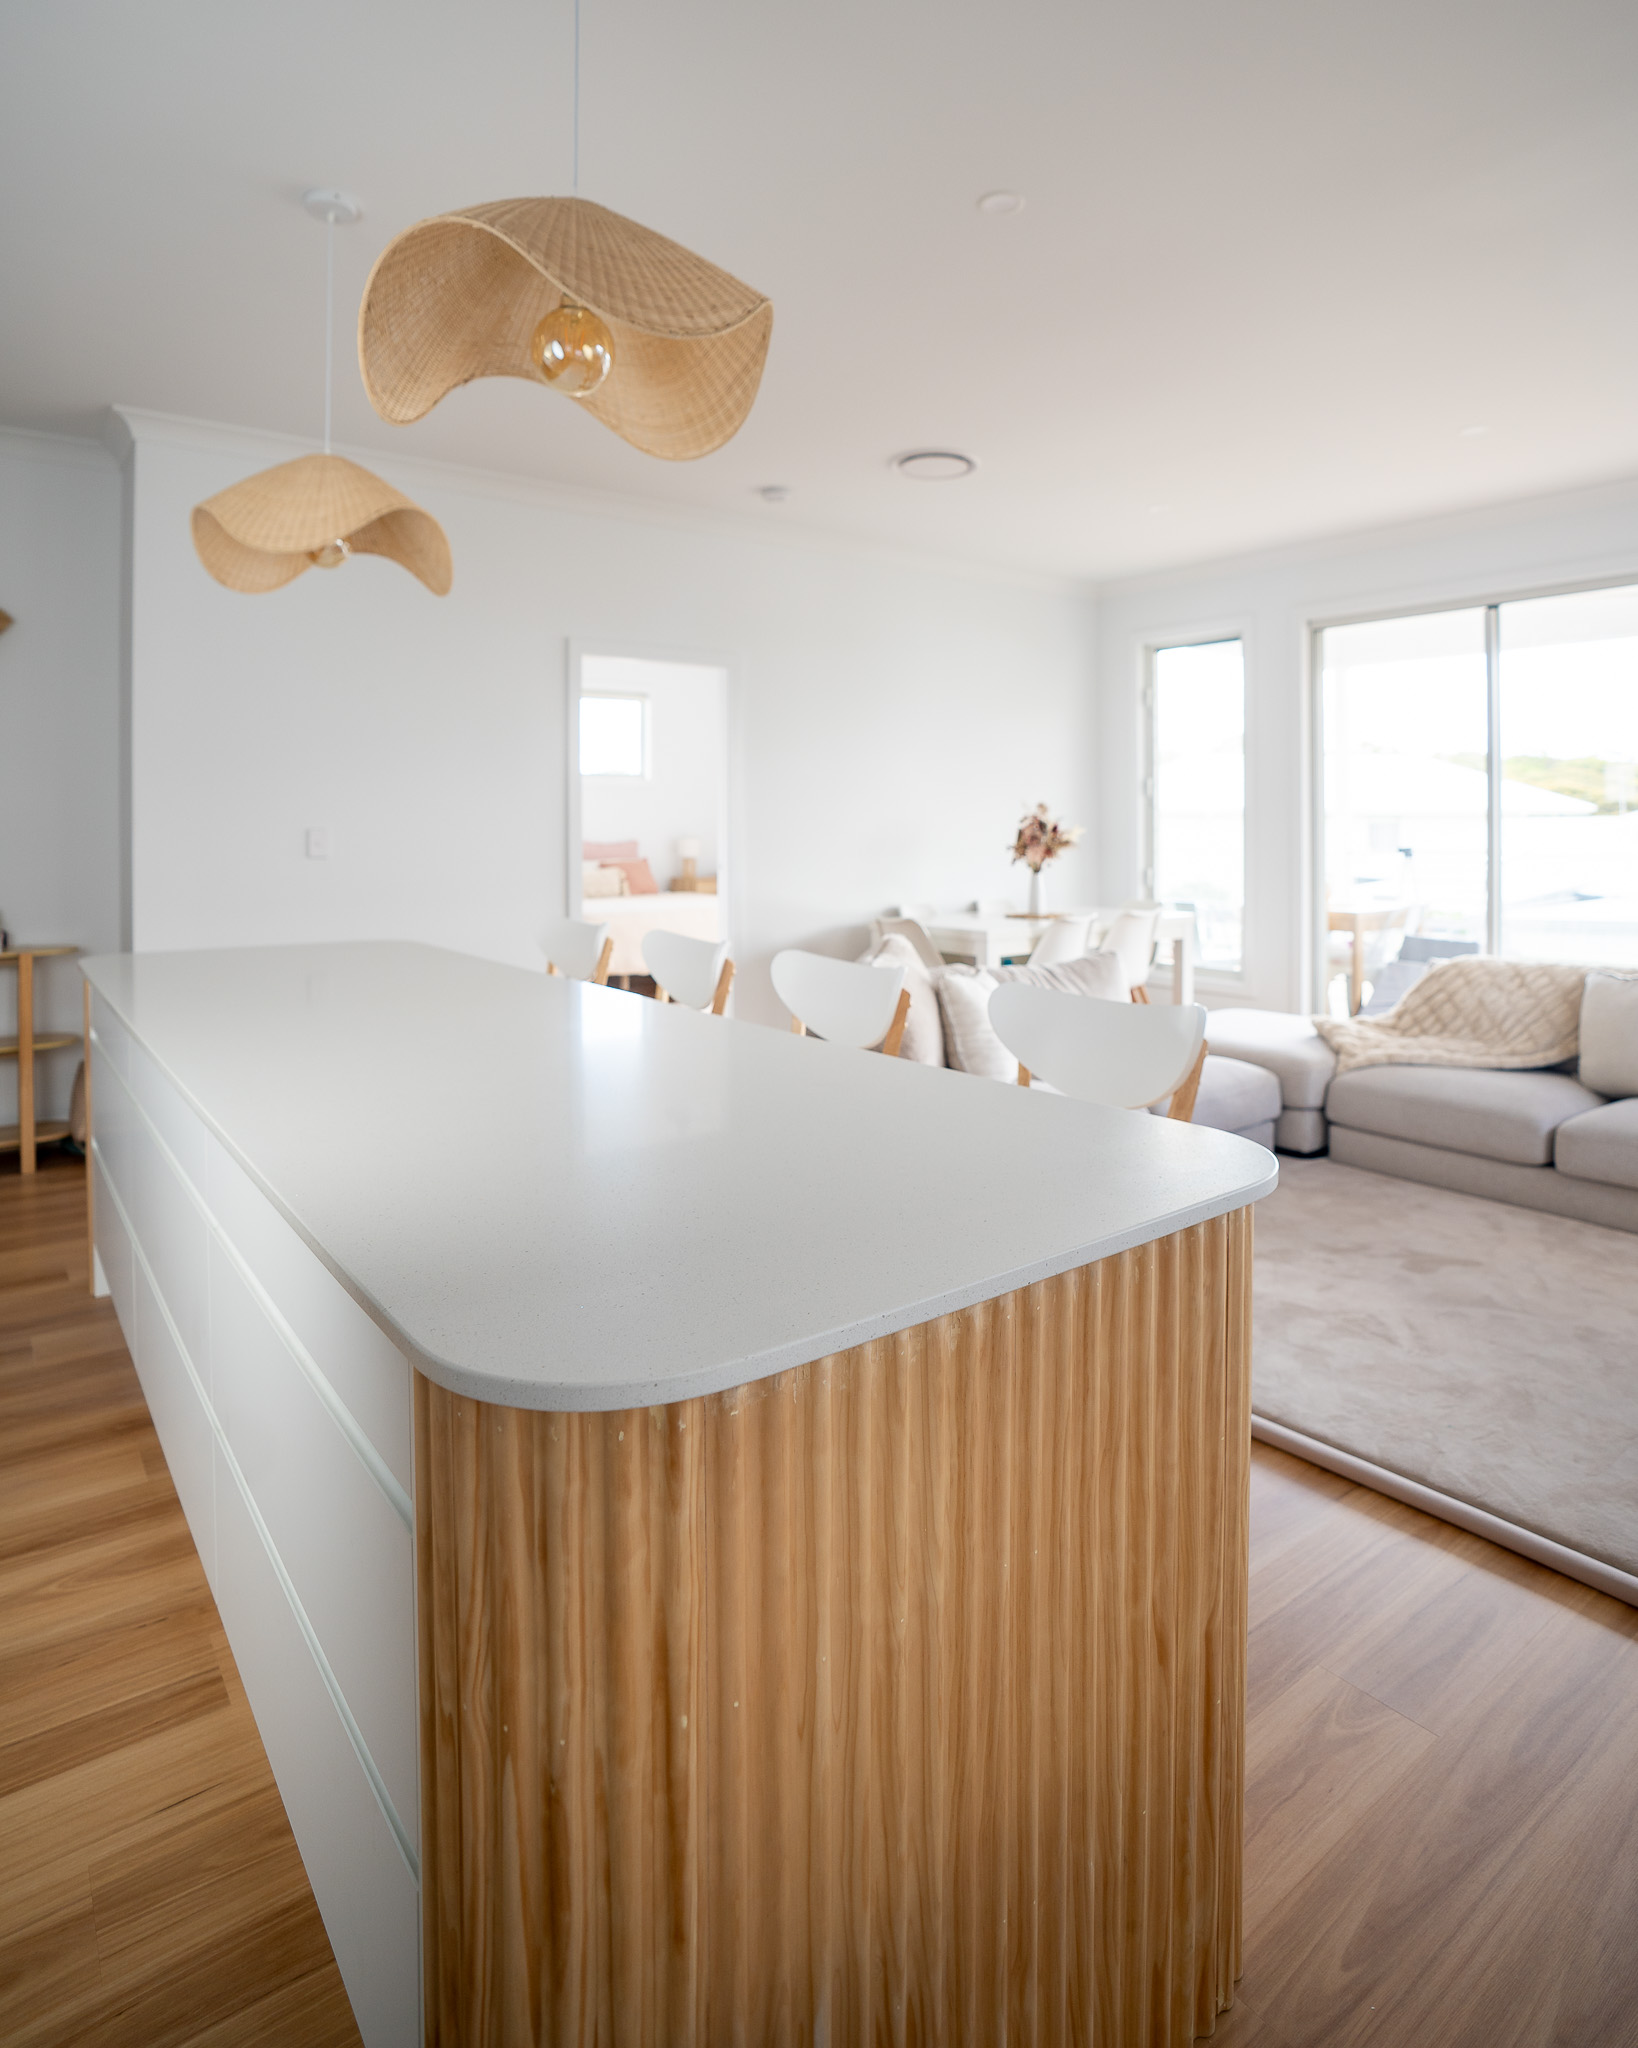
(1199, 799)
(613, 735)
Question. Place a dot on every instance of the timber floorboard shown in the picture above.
(1442, 1784)
(151, 1893)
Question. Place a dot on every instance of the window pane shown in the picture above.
(1407, 779)
(1569, 740)
(1200, 791)
(611, 735)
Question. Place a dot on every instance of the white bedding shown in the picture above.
(631, 918)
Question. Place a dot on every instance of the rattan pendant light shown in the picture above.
(658, 344)
(319, 510)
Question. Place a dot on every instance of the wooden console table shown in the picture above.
(30, 1132)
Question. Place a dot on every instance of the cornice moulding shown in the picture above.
(1610, 493)
(428, 474)
(71, 451)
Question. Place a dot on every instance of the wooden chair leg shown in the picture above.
(552, 968)
(660, 995)
(1023, 1075)
(600, 973)
(1188, 1088)
(798, 1027)
(1140, 994)
(725, 981)
(895, 1030)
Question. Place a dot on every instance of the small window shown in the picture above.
(613, 734)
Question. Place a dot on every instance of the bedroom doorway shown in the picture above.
(648, 809)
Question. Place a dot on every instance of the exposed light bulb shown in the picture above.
(572, 350)
(331, 555)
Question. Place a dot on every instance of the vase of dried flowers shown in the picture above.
(1041, 839)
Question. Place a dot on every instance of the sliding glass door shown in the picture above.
(1569, 814)
(1481, 782)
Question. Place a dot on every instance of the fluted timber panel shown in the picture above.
(894, 1699)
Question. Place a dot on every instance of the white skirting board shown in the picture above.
(1574, 1564)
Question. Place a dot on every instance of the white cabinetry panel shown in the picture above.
(349, 1556)
(289, 1443)
(183, 1424)
(367, 1897)
(366, 1369)
(114, 1252)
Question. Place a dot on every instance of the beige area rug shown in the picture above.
(1485, 1352)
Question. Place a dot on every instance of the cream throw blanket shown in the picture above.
(1468, 1013)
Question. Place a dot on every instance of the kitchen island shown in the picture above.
(726, 1538)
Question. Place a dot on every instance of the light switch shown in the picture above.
(318, 842)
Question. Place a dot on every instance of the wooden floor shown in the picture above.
(151, 1894)
(1443, 1750)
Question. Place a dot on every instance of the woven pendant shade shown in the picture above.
(459, 296)
(262, 533)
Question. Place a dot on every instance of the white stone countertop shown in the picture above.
(565, 1197)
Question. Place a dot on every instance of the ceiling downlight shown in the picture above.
(934, 465)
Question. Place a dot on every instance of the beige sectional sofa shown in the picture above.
(1538, 1139)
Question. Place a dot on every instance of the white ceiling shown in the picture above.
(1276, 254)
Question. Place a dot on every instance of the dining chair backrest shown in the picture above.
(848, 1002)
(581, 951)
(694, 972)
(1064, 939)
(1132, 936)
(1124, 1054)
(915, 931)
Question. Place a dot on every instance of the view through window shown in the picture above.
(613, 734)
(1197, 796)
(1534, 855)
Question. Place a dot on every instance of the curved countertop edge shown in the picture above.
(501, 1390)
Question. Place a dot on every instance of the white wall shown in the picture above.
(682, 795)
(888, 718)
(1274, 600)
(59, 728)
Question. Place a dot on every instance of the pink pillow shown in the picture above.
(609, 849)
(639, 876)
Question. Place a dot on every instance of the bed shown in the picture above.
(631, 918)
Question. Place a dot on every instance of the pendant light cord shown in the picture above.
(329, 317)
(576, 99)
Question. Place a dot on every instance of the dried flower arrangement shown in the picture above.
(1041, 839)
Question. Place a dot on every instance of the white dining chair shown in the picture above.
(913, 929)
(1131, 936)
(580, 951)
(1123, 1054)
(1064, 939)
(694, 972)
(848, 1002)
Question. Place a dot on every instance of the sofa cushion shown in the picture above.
(1395, 978)
(970, 1043)
(1287, 1045)
(1234, 1096)
(923, 1039)
(1486, 1111)
(1600, 1144)
(1609, 1033)
(1093, 974)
